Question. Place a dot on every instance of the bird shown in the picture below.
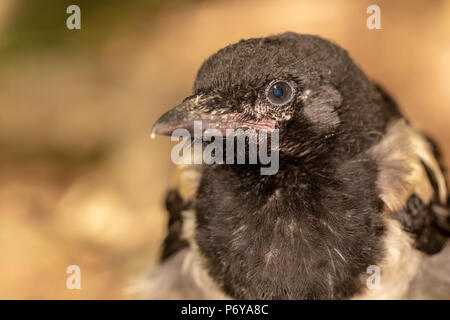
(358, 185)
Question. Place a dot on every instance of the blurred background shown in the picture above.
(80, 180)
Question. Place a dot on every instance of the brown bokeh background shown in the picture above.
(80, 180)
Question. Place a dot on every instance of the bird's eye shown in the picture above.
(279, 93)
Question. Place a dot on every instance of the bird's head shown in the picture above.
(274, 237)
(305, 86)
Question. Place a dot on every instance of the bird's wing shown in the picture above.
(413, 191)
(179, 203)
(412, 179)
(412, 185)
(427, 217)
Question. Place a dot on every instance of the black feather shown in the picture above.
(174, 241)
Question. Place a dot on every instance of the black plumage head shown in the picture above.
(313, 228)
(319, 93)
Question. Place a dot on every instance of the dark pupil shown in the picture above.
(277, 91)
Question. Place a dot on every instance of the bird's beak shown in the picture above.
(206, 111)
